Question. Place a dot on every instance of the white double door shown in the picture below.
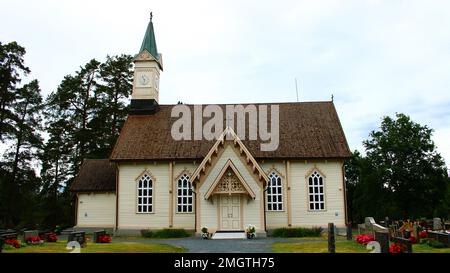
(230, 212)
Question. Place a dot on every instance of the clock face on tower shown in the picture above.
(144, 79)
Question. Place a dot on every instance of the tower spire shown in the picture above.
(149, 42)
(147, 68)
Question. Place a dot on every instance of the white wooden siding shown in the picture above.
(96, 210)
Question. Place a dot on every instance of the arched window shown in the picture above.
(145, 194)
(316, 191)
(184, 200)
(275, 192)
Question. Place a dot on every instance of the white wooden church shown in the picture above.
(152, 181)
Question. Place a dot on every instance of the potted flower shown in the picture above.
(205, 233)
(250, 230)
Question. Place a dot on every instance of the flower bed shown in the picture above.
(364, 239)
(13, 242)
(104, 238)
(34, 240)
(412, 239)
(52, 238)
(395, 248)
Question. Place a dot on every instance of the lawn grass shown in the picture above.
(342, 247)
(318, 247)
(128, 247)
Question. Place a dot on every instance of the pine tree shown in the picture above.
(11, 67)
(20, 183)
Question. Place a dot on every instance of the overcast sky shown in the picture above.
(376, 57)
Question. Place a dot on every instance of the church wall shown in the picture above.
(334, 194)
(276, 219)
(252, 210)
(182, 220)
(96, 210)
(128, 216)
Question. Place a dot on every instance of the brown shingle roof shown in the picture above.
(307, 130)
(95, 175)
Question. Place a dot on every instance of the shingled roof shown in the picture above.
(308, 130)
(95, 175)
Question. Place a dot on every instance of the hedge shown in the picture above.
(165, 233)
(297, 232)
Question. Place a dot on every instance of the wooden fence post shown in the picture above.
(331, 240)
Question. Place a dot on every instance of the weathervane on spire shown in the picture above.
(151, 15)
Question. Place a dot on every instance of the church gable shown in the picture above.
(229, 181)
(242, 153)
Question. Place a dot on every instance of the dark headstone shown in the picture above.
(78, 236)
(98, 233)
(331, 239)
(404, 243)
(383, 239)
(440, 237)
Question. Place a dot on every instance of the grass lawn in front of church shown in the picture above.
(113, 247)
(342, 247)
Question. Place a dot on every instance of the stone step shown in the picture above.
(229, 235)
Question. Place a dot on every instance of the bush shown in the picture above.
(297, 232)
(165, 233)
(435, 244)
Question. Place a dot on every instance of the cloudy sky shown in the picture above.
(376, 57)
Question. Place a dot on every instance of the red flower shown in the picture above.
(104, 239)
(412, 239)
(395, 248)
(13, 242)
(423, 234)
(32, 239)
(364, 238)
(52, 237)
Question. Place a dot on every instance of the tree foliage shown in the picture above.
(81, 119)
(402, 174)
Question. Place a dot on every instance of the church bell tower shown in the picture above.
(147, 67)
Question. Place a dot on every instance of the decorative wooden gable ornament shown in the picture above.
(243, 151)
(229, 181)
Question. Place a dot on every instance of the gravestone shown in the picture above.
(98, 233)
(405, 244)
(383, 239)
(437, 224)
(369, 222)
(78, 236)
(331, 239)
(30, 233)
(440, 237)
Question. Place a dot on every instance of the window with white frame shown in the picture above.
(275, 192)
(316, 191)
(184, 194)
(145, 194)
